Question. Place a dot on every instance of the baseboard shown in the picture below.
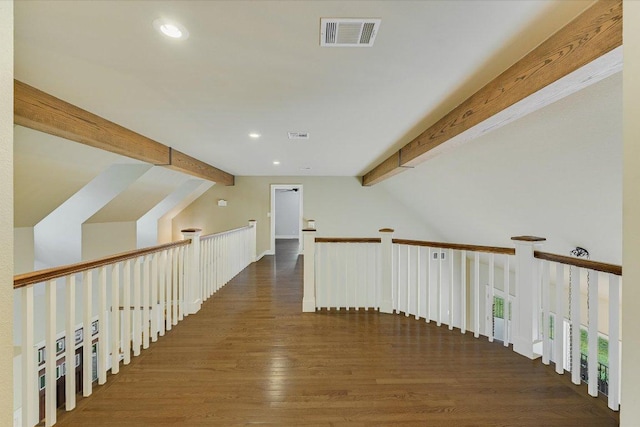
(287, 236)
(267, 252)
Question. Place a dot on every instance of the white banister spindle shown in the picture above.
(103, 344)
(137, 302)
(309, 279)
(154, 297)
(489, 306)
(50, 354)
(87, 365)
(126, 313)
(182, 262)
(575, 325)
(558, 335)
(115, 318)
(614, 342)
(175, 285)
(546, 296)
(592, 345)
(463, 292)
(146, 303)
(429, 284)
(386, 270)
(439, 289)
(70, 344)
(30, 399)
(507, 302)
(476, 295)
(168, 286)
(162, 284)
(418, 276)
(451, 292)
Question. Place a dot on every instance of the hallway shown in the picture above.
(250, 356)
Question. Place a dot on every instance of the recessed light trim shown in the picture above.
(254, 135)
(171, 29)
(276, 162)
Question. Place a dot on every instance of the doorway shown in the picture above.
(286, 214)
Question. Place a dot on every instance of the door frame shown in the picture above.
(272, 214)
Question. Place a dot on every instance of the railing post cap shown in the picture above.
(309, 229)
(528, 239)
(386, 230)
(191, 230)
(252, 220)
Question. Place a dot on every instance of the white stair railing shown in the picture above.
(87, 318)
(505, 294)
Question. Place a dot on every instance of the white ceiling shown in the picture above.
(257, 66)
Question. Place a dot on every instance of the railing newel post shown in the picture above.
(192, 288)
(309, 257)
(525, 329)
(386, 270)
(253, 247)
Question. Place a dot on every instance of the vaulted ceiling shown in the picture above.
(257, 66)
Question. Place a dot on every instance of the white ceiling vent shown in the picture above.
(298, 135)
(348, 32)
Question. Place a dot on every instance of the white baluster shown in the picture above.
(439, 289)
(507, 301)
(430, 281)
(476, 295)
(592, 357)
(126, 313)
(30, 404)
(70, 344)
(489, 305)
(575, 326)
(183, 273)
(87, 338)
(614, 342)
(146, 303)
(417, 275)
(309, 281)
(168, 286)
(137, 301)
(162, 283)
(558, 335)
(154, 297)
(50, 351)
(115, 318)
(103, 345)
(463, 292)
(451, 293)
(174, 288)
(546, 344)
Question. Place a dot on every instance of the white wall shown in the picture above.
(102, 239)
(287, 214)
(630, 412)
(555, 173)
(23, 250)
(6, 212)
(341, 206)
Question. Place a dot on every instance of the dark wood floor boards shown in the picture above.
(251, 357)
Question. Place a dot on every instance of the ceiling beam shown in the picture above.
(593, 34)
(40, 111)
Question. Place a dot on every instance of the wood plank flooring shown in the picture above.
(251, 357)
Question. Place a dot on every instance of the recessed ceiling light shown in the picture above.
(171, 29)
(254, 135)
(276, 162)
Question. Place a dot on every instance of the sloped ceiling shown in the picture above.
(556, 173)
(256, 66)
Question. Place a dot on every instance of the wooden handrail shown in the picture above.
(348, 240)
(457, 246)
(578, 262)
(22, 280)
(209, 236)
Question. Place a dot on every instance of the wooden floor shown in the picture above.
(251, 357)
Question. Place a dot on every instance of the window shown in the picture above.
(78, 336)
(60, 345)
(41, 382)
(41, 356)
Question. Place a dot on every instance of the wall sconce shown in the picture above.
(222, 202)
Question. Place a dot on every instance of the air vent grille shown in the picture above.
(298, 135)
(348, 32)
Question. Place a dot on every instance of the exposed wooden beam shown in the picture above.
(593, 34)
(187, 164)
(40, 111)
